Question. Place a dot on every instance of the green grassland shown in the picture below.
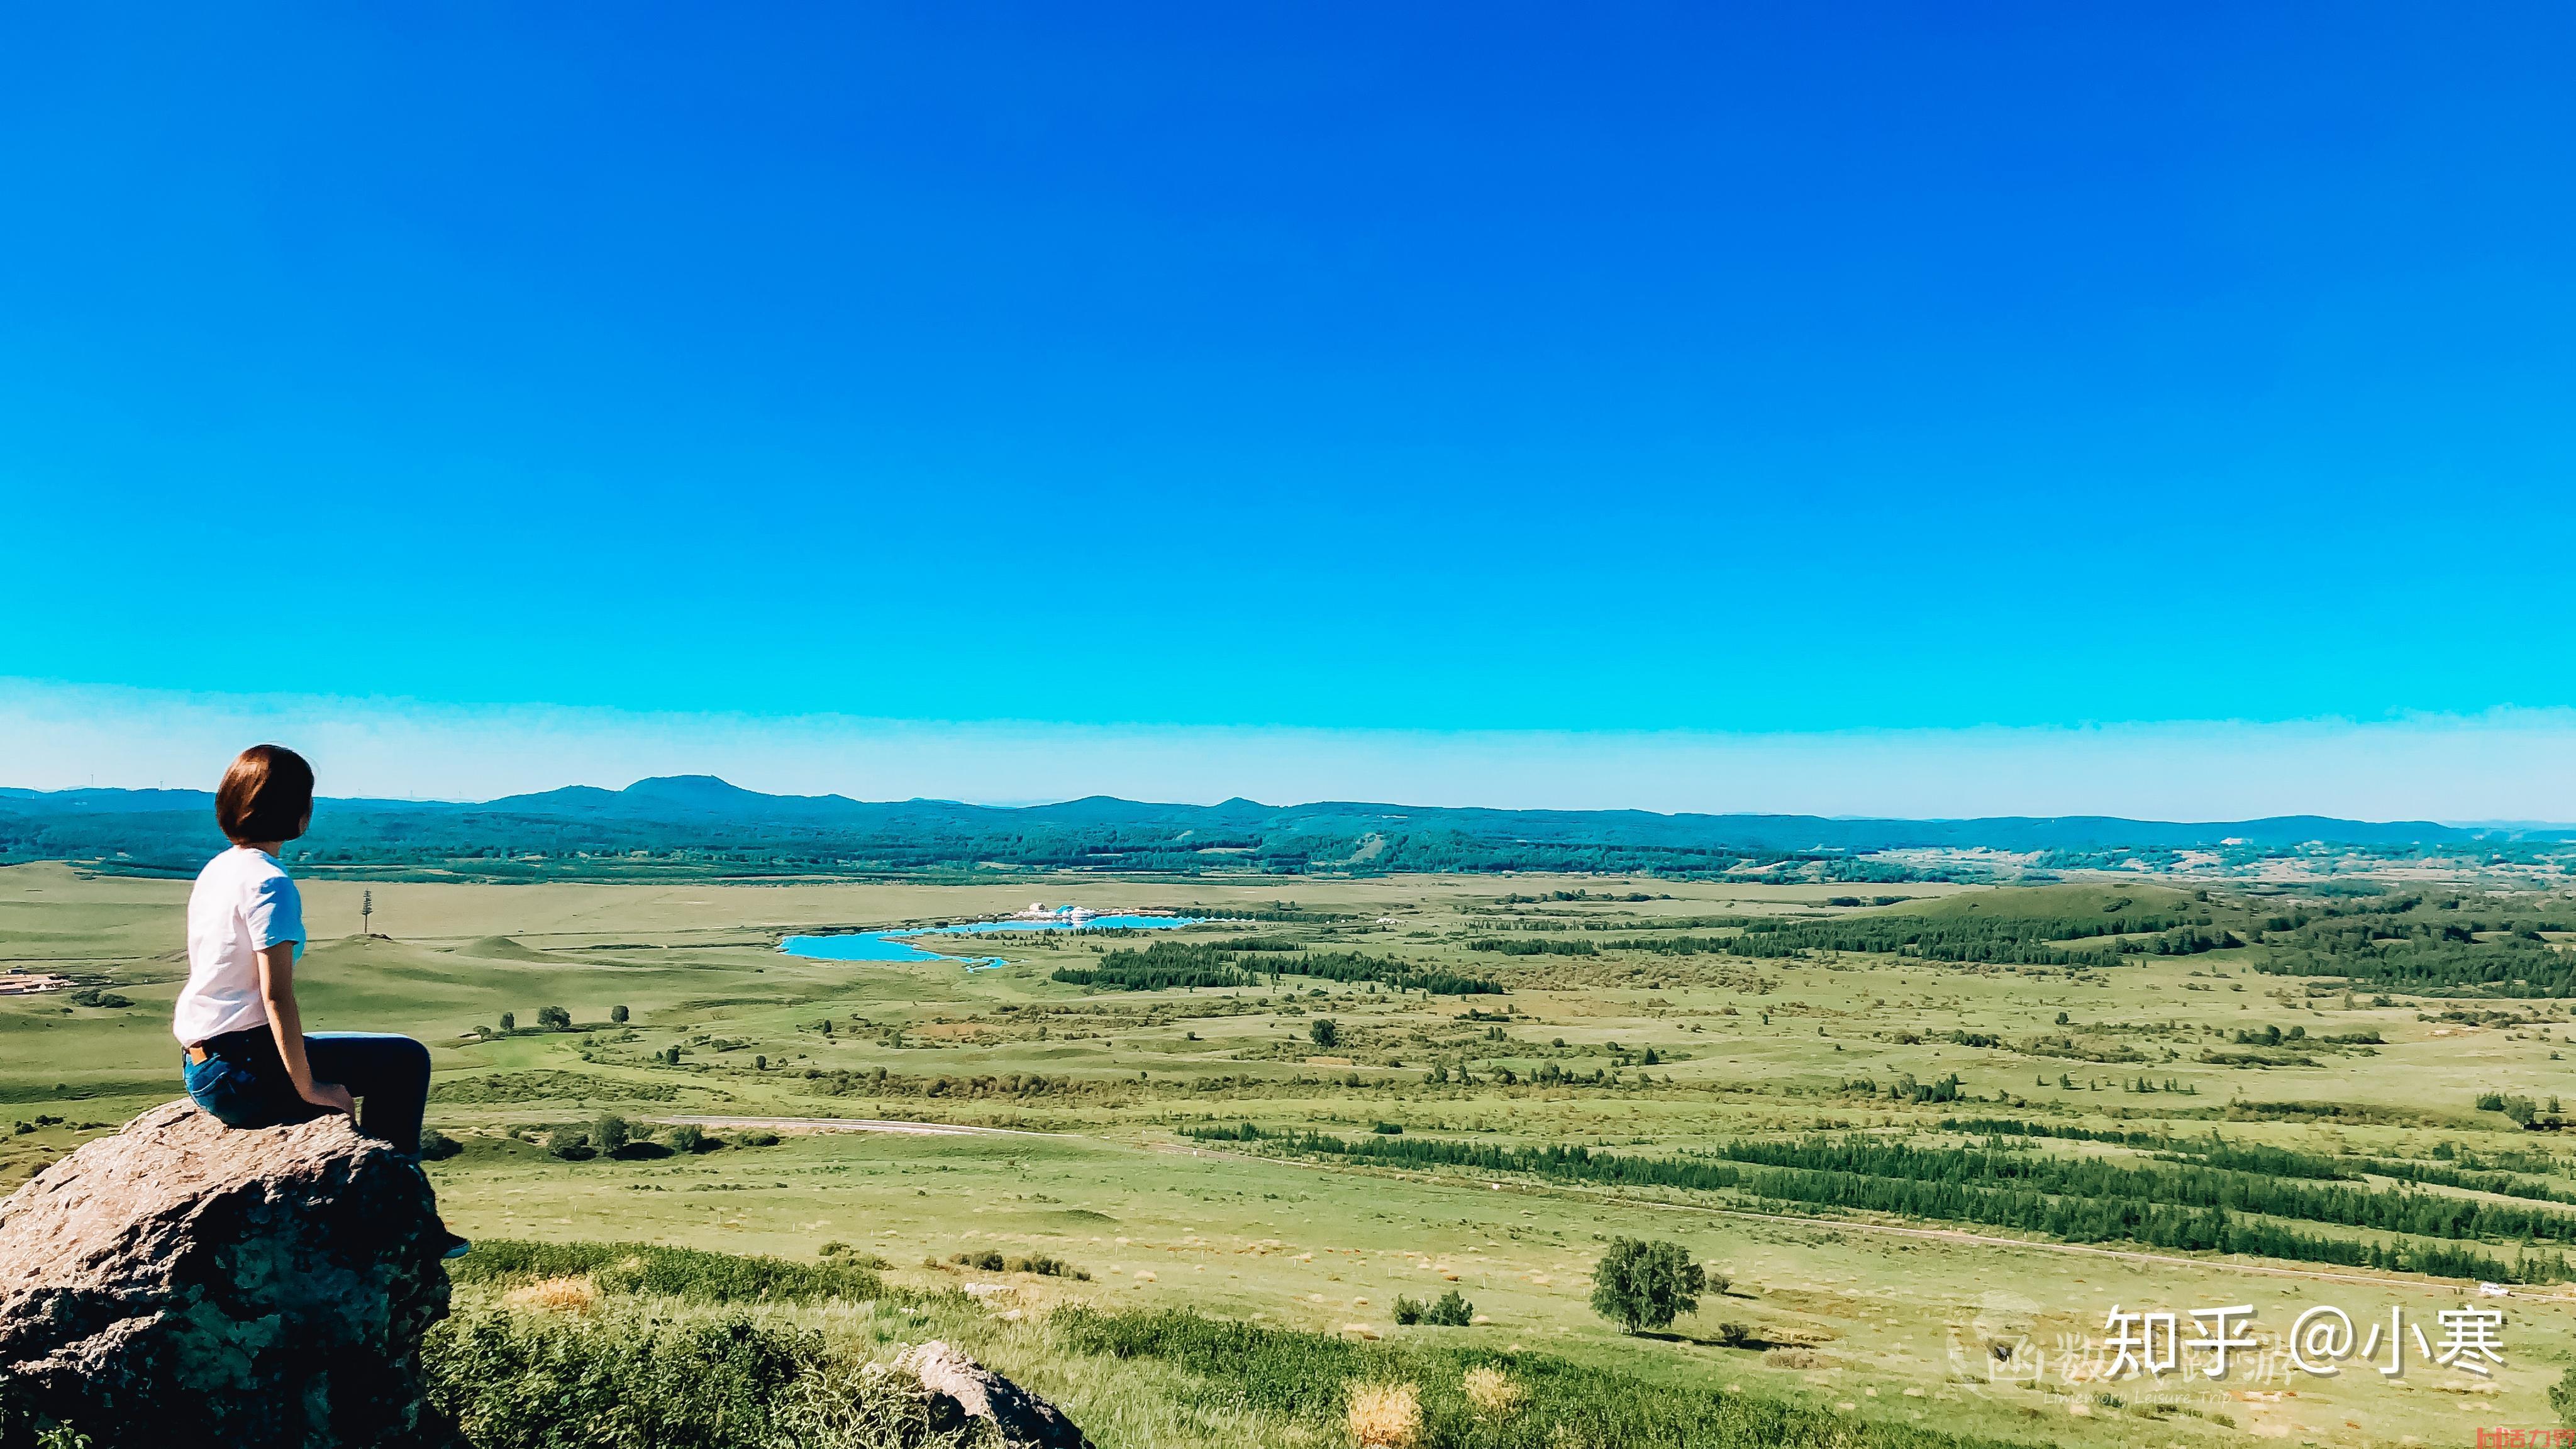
(1738, 1062)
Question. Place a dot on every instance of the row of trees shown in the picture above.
(1167, 965)
(1528, 946)
(557, 1018)
(2167, 1206)
(2178, 1184)
(2003, 939)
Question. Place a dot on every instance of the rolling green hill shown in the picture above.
(702, 825)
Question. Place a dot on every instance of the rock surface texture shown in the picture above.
(962, 1390)
(232, 1288)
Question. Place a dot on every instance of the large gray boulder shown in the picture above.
(182, 1282)
(963, 1391)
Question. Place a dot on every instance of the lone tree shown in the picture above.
(366, 913)
(553, 1018)
(617, 1014)
(1646, 1285)
(1324, 1030)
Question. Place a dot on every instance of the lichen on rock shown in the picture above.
(246, 1288)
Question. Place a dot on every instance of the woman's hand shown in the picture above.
(277, 988)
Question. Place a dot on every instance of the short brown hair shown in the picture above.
(266, 795)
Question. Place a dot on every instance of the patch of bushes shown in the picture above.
(1464, 1396)
(541, 1086)
(686, 1273)
(991, 1260)
(2522, 1110)
(1449, 1310)
(625, 1381)
(1176, 965)
(1525, 946)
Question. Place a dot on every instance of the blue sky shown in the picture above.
(1589, 369)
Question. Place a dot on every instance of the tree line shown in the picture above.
(1167, 965)
(2000, 940)
(2176, 1184)
(2166, 1207)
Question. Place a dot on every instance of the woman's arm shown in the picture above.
(277, 988)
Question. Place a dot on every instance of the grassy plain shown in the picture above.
(1084, 1099)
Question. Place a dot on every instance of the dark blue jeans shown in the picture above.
(243, 1083)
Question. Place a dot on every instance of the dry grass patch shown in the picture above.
(1492, 1391)
(1386, 1416)
(555, 1295)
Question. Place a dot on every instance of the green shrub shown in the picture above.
(685, 1138)
(610, 1133)
(674, 1272)
(1643, 1285)
(2562, 1397)
(1047, 1267)
(990, 1261)
(1301, 1375)
(1408, 1311)
(624, 1381)
(1450, 1311)
(843, 1406)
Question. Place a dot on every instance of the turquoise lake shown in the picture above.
(898, 945)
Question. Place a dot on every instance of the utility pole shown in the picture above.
(366, 912)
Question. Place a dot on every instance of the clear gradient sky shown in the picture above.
(1760, 372)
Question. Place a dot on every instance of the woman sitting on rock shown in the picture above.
(249, 1061)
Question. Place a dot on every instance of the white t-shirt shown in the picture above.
(243, 904)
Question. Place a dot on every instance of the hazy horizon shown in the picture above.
(2502, 766)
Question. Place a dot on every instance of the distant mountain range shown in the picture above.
(702, 824)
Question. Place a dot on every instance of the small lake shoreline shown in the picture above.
(897, 945)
